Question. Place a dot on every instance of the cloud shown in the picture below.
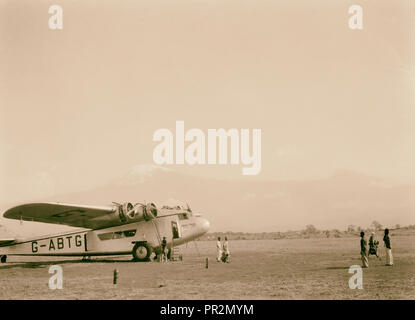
(281, 152)
(44, 184)
(277, 194)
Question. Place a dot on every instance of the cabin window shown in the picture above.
(130, 233)
(117, 235)
(105, 236)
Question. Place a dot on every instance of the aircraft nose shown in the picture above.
(205, 225)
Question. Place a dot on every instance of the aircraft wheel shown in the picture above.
(3, 259)
(141, 251)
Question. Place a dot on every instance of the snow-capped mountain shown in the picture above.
(345, 198)
(139, 174)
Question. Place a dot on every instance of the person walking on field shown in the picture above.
(218, 250)
(363, 251)
(388, 248)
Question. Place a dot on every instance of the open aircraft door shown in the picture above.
(175, 230)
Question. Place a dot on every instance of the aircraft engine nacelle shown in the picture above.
(127, 212)
(151, 211)
(123, 211)
(142, 212)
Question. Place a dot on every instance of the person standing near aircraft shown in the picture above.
(218, 250)
(388, 248)
(226, 250)
(363, 251)
(163, 249)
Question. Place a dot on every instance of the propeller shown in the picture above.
(188, 207)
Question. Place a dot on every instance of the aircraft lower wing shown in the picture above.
(91, 217)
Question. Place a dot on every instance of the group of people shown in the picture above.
(222, 250)
(373, 248)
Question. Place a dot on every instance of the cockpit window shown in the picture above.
(172, 208)
(183, 216)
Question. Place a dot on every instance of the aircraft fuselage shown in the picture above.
(119, 240)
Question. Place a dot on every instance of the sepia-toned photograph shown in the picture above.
(228, 150)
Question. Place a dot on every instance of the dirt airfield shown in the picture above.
(259, 269)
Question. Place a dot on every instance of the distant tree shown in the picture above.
(359, 229)
(397, 226)
(310, 229)
(327, 233)
(376, 225)
(351, 228)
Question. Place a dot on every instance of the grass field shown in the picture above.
(259, 269)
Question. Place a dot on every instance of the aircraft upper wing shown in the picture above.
(91, 217)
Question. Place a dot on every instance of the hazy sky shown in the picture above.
(79, 106)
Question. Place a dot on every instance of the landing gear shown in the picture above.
(3, 259)
(142, 251)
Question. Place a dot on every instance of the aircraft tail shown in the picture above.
(6, 242)
(5, 237)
